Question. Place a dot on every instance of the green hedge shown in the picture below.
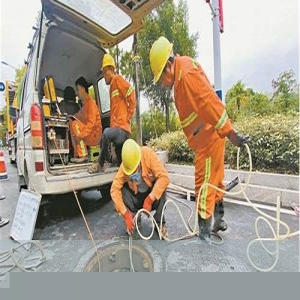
(274, 144)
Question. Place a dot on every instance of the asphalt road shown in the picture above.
(60, 221)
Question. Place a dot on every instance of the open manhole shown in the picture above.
(114, 257)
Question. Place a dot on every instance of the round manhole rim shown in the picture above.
(153, 253)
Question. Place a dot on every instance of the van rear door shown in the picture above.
(109, 21)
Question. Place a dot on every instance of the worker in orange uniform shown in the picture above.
(205, 123)
(141, 182)
(122, 107)
(85, 126)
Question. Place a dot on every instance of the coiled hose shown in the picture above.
(193, 230)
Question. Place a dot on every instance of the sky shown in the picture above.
(261, 39)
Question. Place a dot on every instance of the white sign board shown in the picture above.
(25, 216)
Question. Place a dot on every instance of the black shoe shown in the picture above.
(204, 229)
(3, 222)
(219, 226)
(219, 223)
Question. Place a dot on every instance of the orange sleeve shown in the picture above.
(91, 112)
(127, 92)
(116, 191)
(205, 101)
(160, 173)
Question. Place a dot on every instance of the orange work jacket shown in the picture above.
(89, 115)
(122, 103)
(202, 114)
(153, 172)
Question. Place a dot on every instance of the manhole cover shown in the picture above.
(114, 257)
(196, 257)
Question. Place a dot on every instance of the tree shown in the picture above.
(237, 94)
(20, 72)
(170, 21)
(243, 102)
(285, 95)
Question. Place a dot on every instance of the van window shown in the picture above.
(103, 13)
(103, 89)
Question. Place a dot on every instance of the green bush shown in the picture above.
(274, 144)
(176, 145)
(154, 124)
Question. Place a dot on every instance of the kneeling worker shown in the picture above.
(86, 127)
(141, 182)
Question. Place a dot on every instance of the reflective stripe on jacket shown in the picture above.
(202, 114)
(153, 172)
(122, 103)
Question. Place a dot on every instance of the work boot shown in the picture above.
(79, 160)
(204, 229)
(95, 168)
(219, 223)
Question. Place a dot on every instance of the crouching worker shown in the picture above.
(85, 126)
(141, 182)
(122, 107)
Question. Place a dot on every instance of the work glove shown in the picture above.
(237, 139)
(148, 204)
(129, 222)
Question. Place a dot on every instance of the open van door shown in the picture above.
(109, 21)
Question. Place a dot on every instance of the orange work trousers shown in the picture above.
(209, 168)
(80, 149)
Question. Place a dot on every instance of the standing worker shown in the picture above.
(205, 123)
(85, 126)
(141, 182)
(122, 107)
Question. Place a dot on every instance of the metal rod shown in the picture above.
(137, 91)
(217, 48)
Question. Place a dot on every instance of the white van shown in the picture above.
(69, 43)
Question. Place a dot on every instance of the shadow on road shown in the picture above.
(58, 208)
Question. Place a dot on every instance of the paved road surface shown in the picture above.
(62, 223)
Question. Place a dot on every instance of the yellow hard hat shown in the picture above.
(131, 156)
(160, 52)
(107, 61)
